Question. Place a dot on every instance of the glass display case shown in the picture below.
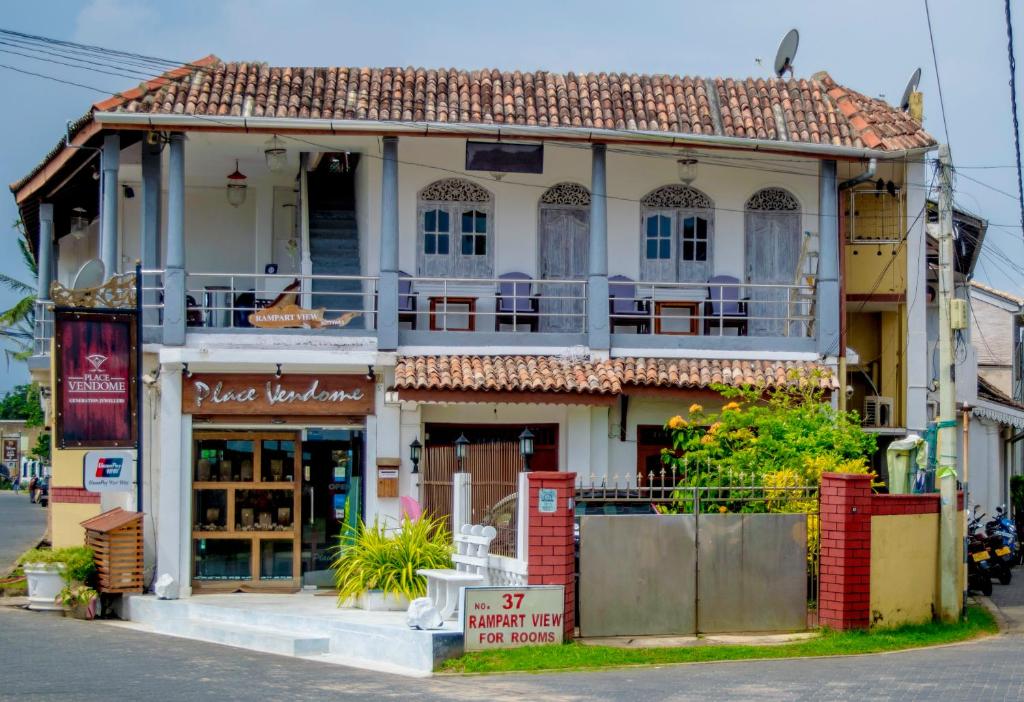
(245, 499)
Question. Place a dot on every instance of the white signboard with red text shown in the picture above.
(506, 617)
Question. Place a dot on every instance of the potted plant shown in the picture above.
(48, 570)
(376, 567)
(78, 601)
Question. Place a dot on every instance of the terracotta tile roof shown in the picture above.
(553, 374)
(1016, 299)
(799, 110)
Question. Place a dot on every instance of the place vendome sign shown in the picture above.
(263, 393)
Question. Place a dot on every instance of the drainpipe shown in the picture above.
(867, 175)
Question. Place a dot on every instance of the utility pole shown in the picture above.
(950, 540)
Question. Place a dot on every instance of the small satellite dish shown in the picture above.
(787, 52)
(90, 275)
(912, 84)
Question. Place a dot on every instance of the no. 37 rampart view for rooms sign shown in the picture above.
(252, 393)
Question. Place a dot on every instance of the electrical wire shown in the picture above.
(938, 77)
(1013, 107)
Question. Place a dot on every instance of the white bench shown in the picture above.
(472, 546)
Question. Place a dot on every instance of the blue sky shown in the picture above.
(868, 45)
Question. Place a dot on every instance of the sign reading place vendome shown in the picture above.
(252, 393)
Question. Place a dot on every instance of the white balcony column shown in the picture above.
(149, 226)
(387, 289)
(174, 271)
(598, 335)
(110, 162)
(44, 261)
(827, 281)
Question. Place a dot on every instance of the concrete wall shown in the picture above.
(904, 568)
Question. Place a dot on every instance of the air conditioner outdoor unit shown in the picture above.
(877, 411)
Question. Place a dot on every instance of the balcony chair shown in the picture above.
(724, 307)
(245, 304)
(515, 304)
(624, 308)
(406, 300)
(193, 313)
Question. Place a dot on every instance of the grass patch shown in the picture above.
(574, 656)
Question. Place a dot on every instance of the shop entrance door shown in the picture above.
(332, 471)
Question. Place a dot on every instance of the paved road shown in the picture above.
(21, 526)
(103, 662)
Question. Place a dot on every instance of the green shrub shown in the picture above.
(1017, 494)
(79, 566)
(369, 558)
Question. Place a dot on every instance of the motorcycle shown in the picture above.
(1003, 531)
(979, 542)
(978, 567)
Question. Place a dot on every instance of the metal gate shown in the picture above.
(495, 469)
(704, 570)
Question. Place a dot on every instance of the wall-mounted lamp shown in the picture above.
(129, 192)
(79, 222)
(526, 448)
(461, 444)
(277, 373)
(185, 371)
(236, 187)
(276, 155)
(686, 169)
(415, 451)
(370, 374)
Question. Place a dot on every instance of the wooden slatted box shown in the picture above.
(116, 539)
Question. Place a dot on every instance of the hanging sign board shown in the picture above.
(251, 393)
(506, 617)
(96, 376)
(12, 452)
(109, 471)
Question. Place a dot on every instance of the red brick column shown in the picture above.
(550, 536)
(844, 591)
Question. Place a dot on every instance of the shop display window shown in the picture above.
(222, 559)
(264, 510)
(210, 510)
(277, 461)
(223, 460)
(276, 562)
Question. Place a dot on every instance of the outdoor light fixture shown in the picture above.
(277, 373)
(687, 170)
(526, 448)
(185, 370)
(370, 374)
(276, 155)
(415, 451)
(129, 192)
(460, 449)
(236, 187)
(79, 222)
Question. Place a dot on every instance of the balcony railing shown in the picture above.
(493, 304)
(711, 309)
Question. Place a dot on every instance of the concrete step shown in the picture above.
(249, 637)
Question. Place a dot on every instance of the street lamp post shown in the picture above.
(526, 448)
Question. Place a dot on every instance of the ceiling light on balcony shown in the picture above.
(277, 155)
(79, 222)
(687, 170)
(236, 187)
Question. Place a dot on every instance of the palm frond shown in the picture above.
(18, 286)
(24, 310)
(26, 251)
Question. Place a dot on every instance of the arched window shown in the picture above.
(677, 231)
(772, 249)
(455, 208)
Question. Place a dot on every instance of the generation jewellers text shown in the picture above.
(273, 393)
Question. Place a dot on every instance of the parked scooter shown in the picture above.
(978, 541)
(978, 567)
(1004, 532)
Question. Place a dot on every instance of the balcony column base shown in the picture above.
(387, 311)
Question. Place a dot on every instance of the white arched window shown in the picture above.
(455, 230)
(772, 249)
(677, 235)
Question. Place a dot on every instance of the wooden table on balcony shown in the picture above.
(665, 312)
(442, 306)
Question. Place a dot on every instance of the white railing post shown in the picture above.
(523, 518)
(462, 501)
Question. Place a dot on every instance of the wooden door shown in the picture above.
(772, 251)
(564, 255)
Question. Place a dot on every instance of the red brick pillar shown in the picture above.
(550, 559)
(844, 591)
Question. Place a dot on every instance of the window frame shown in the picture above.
(454, 263)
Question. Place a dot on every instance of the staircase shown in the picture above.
(334, 243)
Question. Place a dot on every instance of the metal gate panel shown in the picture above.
(752, 572)
(637, 575)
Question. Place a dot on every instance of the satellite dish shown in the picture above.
(912, 84)
(787, 52)
(90, 275)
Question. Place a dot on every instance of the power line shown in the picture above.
(1013, 107)
(935, 62)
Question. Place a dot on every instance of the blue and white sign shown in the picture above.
(547, 501)
(109, 471)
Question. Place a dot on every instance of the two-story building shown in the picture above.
(358, 280)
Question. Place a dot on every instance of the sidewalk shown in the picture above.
(1010, 601)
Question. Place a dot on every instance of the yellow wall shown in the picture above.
(904, 568)
(881, 337)
(65, 521)
(868, 273)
